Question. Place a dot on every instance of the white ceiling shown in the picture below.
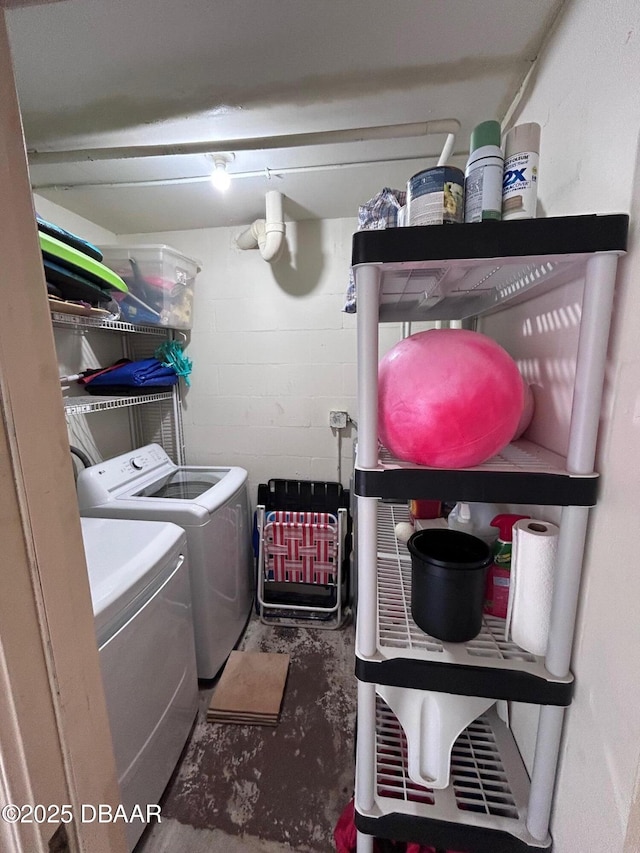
(93, 74)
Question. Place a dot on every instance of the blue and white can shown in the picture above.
(436, 196)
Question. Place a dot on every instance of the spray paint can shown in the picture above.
(436, 196)
(520, 184)
(483, 176)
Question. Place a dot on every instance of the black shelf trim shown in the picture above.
(438, 833)
(558, 235)
(494, 683)
(542, 488)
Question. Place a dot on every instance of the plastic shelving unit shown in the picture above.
(452, 273)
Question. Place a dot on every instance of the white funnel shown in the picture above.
(266, 234)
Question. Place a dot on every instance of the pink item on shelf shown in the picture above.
(448, 398)
(424, 509)
(345, 835)
(527, 411)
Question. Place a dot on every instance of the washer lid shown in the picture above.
(124, 557)
(184, 484)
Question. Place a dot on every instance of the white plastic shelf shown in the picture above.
(489, 665)
(85, 405)
(447, 273)
(523, 472)
(483, 809)
(452, 273)
(463, 289)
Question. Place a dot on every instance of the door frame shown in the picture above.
(55, 742)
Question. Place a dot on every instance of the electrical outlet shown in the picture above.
(338, 420)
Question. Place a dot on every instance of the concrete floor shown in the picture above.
(240, 789)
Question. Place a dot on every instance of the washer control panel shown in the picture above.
(112, 475)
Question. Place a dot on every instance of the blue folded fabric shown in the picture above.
(137, 374)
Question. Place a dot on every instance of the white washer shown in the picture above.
(138, 573)
(211, 505)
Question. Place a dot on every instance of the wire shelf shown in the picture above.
(401, 641)
(79, 322)
(519, 457)
(396, 628)
(83, 405)
(488, 792)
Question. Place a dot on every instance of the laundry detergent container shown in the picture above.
(448, 570)
(161, 283)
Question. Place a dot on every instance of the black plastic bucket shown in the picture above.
(448, 571)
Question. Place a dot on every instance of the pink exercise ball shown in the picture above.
(448, 398)
(528, 408)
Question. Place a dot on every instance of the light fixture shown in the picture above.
(220, 178)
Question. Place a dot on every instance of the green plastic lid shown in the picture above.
(485, 133)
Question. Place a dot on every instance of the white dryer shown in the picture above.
(211, 505)
(138, 574)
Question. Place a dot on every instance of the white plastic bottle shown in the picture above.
(520, 183)
(475, 518)
(484, 174)
(460, 518)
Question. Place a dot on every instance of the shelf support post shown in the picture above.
(366, 749)
(597, 304)
(368, 298)
(545, 765)
(366, 625)
(564, 606)
(591, 360)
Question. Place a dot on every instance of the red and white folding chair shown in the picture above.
(301, 548)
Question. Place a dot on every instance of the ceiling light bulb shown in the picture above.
(220, 177)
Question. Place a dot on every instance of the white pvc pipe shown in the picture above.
(266, 234)
(447, 149)
(271, 246)
(267, 173)
(293, 140)
(249, 238)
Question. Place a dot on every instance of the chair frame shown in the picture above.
(306, 612)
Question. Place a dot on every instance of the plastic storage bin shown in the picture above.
(160, 280)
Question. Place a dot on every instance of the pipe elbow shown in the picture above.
(271, 246)
(268, 234)
(249, 239)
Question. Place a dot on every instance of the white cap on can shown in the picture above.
(522, 137)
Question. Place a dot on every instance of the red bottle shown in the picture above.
(498, 576)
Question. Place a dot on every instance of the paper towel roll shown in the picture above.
(533, 558)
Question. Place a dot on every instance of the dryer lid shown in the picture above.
(124, 557)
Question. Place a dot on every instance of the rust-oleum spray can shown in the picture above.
(520, 182)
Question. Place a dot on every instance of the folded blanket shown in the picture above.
(125, 390)
(148, 372)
